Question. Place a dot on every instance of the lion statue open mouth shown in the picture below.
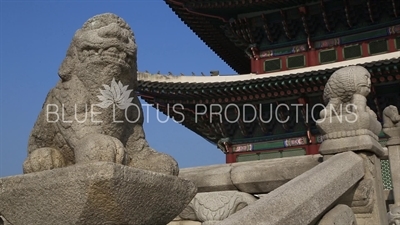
(72, 129)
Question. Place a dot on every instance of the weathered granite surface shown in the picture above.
(94, 193)
(251, 177)
(3, 221)
(367, 199)
(304, 199)
(184, 222)
(394, 216)
(339, 215)
(216, 206)
(93, 113)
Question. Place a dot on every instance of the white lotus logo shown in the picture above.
(115, 94)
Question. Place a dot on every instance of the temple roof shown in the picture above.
(230, 27)
(186, 88)
(164, 91)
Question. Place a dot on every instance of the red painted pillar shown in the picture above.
(312, 57)
(339, 51)
(313, 148)
(230, 157)
(365, 51)
(392, 46)
(254, 66)
(260, 66)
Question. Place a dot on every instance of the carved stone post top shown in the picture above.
(391, 125)
(346, 122)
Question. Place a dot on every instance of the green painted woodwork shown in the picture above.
(352, 51)
(327, 56)
(272, 65)
(247, 157)
(293, 152)
(378, 47)
(270, 155)
(268, 145)
(272, 138)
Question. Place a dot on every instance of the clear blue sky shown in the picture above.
(34, 39)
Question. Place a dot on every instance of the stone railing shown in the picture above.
(292, 189)
(343, 185)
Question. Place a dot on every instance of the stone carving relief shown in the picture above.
(210, 207)
(93, 113)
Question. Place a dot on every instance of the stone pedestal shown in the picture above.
(350, 132)
(358, 132)
(95, 193)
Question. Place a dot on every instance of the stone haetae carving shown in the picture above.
(346, 90)
(347, 123)
(107, 173)
(93, 114)
(216, 206)
(391, 117)
(391, 125)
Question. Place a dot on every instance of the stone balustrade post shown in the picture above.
(348, 124)
(391, 128)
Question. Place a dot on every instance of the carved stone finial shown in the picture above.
(391, 125)
(346, 90)
(391, 117)
(347, 123)
(93, 113)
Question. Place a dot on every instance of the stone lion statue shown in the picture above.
(346, 91)
(75, 126)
